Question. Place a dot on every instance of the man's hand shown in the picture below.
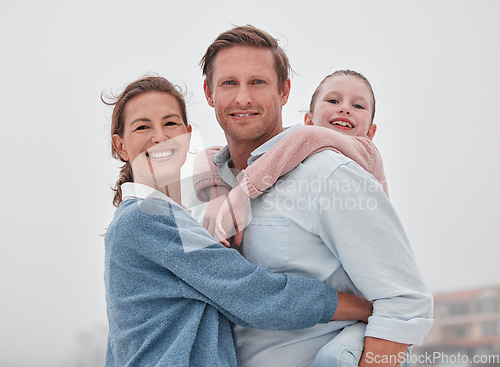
(382, 353)
(353, 307)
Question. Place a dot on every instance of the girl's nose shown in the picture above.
(344, 109)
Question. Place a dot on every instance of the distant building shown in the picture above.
(466, 331)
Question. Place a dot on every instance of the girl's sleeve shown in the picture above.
(303, 142)
(205, 173)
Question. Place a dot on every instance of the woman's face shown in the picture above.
(155, 139)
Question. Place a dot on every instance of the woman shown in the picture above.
(171, 291)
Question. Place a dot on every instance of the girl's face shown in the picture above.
(345, 104)
(155, 139)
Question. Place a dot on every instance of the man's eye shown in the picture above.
(228, 82)
(358, 106)
(334, 101)
(258, 81)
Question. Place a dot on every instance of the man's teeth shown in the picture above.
(242, 114)
(161, 154)
(342, 123)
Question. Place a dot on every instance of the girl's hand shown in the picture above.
(232, 217)
(217, 195)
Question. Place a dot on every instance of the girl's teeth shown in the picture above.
(342, 123)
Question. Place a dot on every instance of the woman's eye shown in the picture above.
(171, 123)
(358, 106)
(142, 127)
(334, 101)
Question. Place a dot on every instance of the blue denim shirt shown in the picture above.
(172, 293)
(329, 219)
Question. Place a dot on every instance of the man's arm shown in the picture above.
(382, 353)
(360, 226)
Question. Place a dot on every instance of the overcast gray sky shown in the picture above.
(433, 66)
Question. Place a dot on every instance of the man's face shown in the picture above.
(245, 94)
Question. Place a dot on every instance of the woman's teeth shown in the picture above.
(157, 155)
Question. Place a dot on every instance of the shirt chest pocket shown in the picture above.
(266, 241)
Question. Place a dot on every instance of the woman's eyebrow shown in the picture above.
(140, 119)
(171, 115)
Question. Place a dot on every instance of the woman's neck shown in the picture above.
(172, 188)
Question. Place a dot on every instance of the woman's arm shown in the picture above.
(248, 295)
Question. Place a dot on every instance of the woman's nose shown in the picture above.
(159, 135)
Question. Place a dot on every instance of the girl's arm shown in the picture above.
(283, 157)
(205, 175)
(299, 144)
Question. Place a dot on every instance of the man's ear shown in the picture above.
(208, 93)
(371, 131)
(285, 92)
(120, 147)
(308, 119)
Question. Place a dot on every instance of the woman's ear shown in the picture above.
(120, 148)
(308, 119)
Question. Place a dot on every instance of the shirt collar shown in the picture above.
(132, 190)
(257, 153)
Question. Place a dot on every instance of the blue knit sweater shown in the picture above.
(172, 293)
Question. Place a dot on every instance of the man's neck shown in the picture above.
(241, 150)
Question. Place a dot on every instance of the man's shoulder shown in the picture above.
(324, 162)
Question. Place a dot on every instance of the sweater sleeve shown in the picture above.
(248, 295)
(303, 142)
(205, 173)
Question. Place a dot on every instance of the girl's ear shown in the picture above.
(308, 119)
(371, 131)
(119, 146)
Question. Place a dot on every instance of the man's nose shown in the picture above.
(243, 96)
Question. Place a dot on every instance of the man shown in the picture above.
(326, 219)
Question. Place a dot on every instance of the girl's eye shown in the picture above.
(334, 101)
(358, 106)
